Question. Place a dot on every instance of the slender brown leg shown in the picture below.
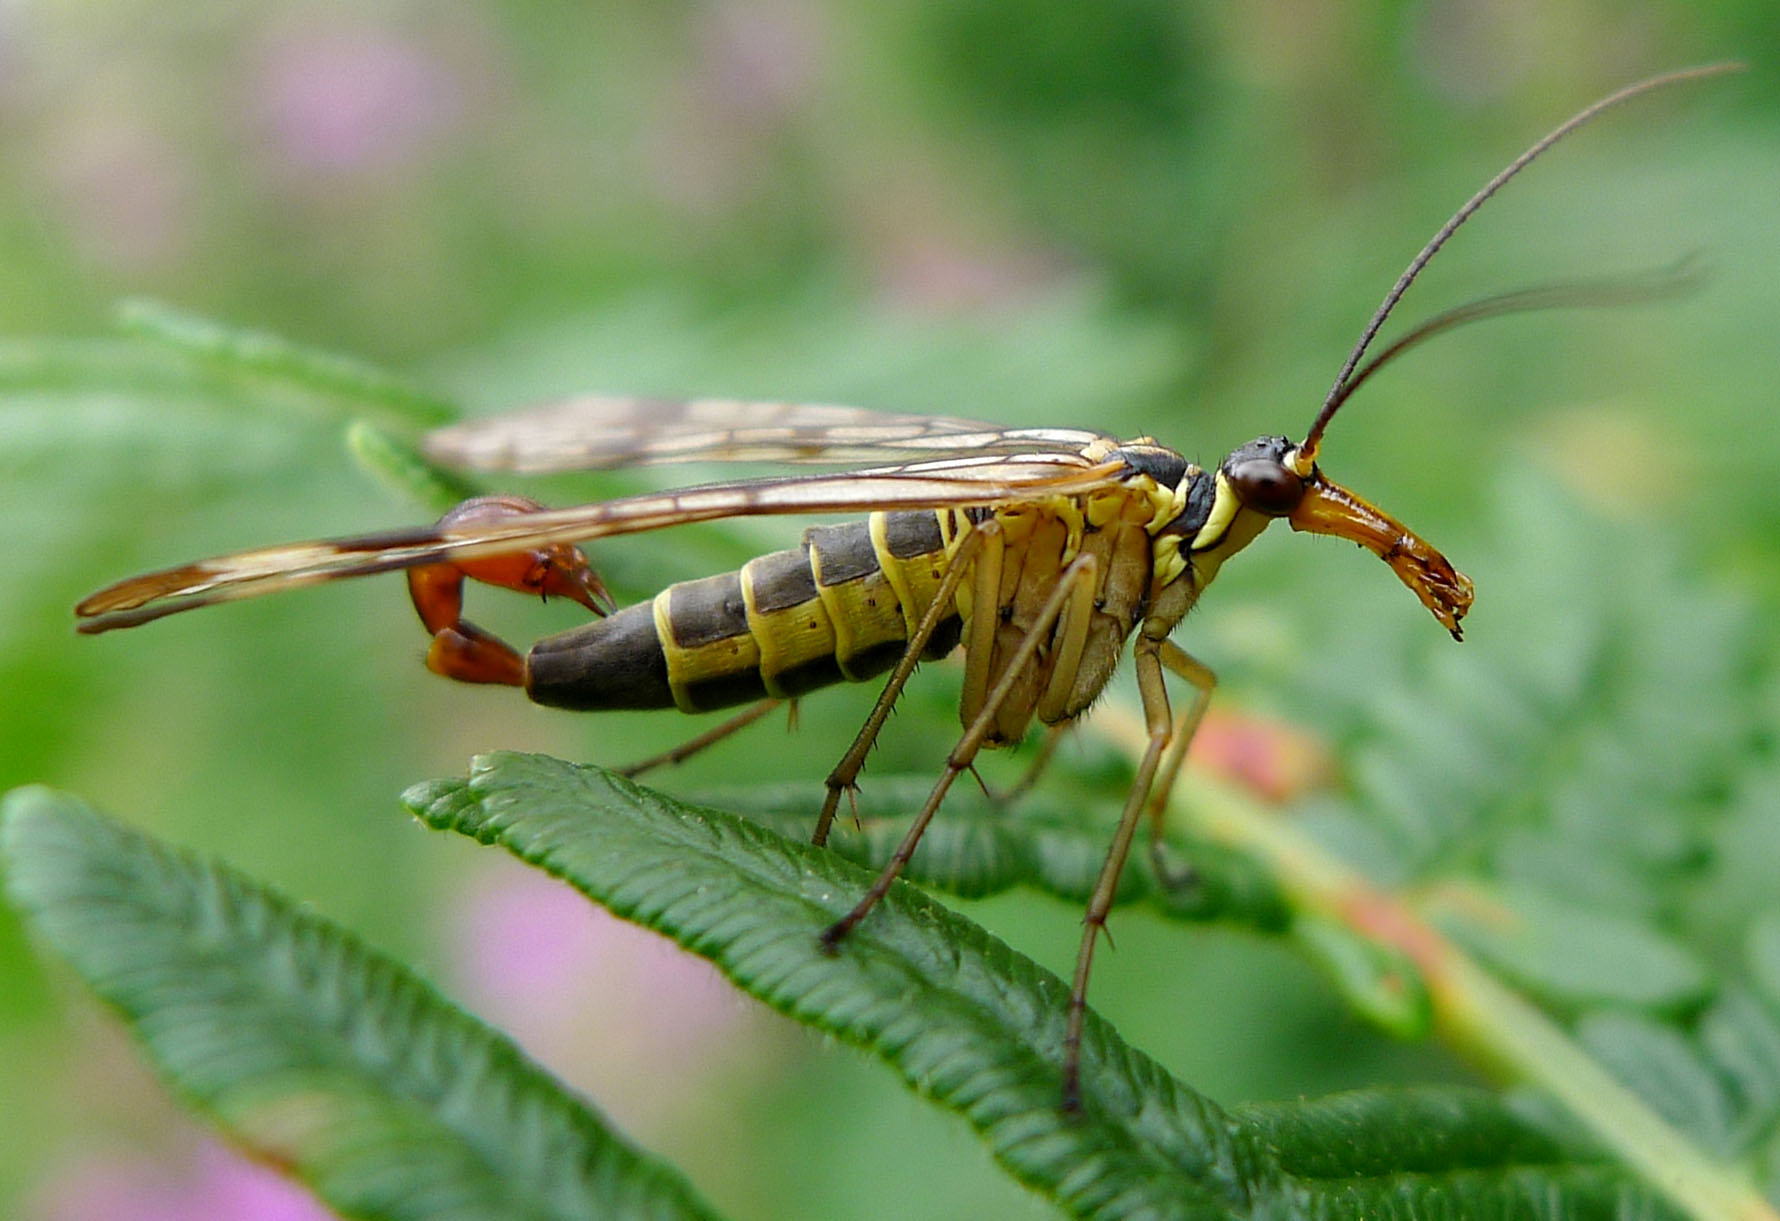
(1151, 656)
(1077, 585)
(1047, 750)
(687, 749)
(1185, 666)
(973, 549)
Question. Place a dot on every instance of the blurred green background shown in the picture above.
(1145, 218)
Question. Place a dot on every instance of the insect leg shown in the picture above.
(981, 548)
(687, 749)
(1047, 750)
(1074, 593)
(1070, 641)
(979, 630)
(1185, 666)
(1150, 657)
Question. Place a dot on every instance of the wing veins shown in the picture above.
(595, 432)
(955, 483)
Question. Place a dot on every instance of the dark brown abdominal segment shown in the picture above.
(788, 623)
(911, 534)
(707, 611)
(611, 663)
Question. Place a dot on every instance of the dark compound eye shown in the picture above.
(1266, 486)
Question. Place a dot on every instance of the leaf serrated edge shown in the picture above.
(1472, 1010)
(1246, 1154)
(54, 847)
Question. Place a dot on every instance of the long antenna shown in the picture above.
(1664, 284)
(1337, 395)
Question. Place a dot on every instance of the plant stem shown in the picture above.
(1474, 1011)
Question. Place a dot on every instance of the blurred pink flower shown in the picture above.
(758, 60)
(123, 187)
(613, 1008)
(353, 99)
(1271, 758)
(926, 271)
(215, 1183)
(756, 69)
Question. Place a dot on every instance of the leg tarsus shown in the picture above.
(1154, 780)
(1072, 1059)
(1173, 877)
(468, 654)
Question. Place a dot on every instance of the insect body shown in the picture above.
(1039, 552)
(844, 605)
(1041, 564)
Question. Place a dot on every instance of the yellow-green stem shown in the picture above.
(1474, 1011)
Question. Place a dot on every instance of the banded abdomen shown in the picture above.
(839, 608)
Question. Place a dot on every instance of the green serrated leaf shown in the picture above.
(1664, 1068)
(1444, 1152)
(975, 848)
(1575, 956)
(978, 1028)
(309, 1050)
(964, 1019)
(1416, 1130)
(403, 469)
(371, 389)
(1382, 985)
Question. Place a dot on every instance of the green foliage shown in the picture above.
(280, 362)
(976, 1027)
(1151, 221)
(314, 1053)
(328, 1060)
(1551, 799)
(977, 847)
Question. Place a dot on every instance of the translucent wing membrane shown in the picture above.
(945, 483)
(600, 432)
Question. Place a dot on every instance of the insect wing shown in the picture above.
(945, 483)
(598, 432)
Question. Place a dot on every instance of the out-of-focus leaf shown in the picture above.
(369, 390)
(1741, 1037)
(312, 1052)
(403, 468)
(1381, 984)
(1046, 840)
(1572, 956)
(1664, 1067)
